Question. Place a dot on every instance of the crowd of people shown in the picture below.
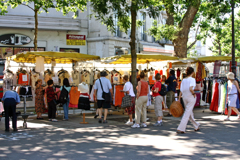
(103, 94)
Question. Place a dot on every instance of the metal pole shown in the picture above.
(233, 41)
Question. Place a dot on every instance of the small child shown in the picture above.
(51, 99)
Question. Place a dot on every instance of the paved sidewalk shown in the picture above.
(71, 140)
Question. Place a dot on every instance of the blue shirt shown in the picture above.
(172, 83)
(67, 88)
(11, 94)
(106, 85)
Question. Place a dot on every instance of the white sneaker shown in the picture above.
(54, 120)
(135, 125)
(144, 125)
(129, 123)
(227, 119)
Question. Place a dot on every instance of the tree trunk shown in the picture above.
(180, 43)
(36, 29)
(133, 45)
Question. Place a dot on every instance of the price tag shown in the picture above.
(24, 78)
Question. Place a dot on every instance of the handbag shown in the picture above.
(105, 96)
(126, 101)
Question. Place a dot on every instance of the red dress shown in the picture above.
(214, 103)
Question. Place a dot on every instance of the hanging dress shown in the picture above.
(214, 102)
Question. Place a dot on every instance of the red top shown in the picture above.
(50, 94)
(158, 85)
(144, 88)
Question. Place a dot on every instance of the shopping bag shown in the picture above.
(126, 101)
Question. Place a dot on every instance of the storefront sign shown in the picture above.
(14, 39)
(79, 40)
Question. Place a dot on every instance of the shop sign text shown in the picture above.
(79, 40)
(14, 39)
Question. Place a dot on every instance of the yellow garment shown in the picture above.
(203, 72)
(62, 76)
(47, 77)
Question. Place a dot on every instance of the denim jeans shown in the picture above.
(65, 108)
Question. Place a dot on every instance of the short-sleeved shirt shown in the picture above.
(158, 85)
(172, 83)
(11, 94)
(129, 87)
(186, 84)
(67, 88)
(50, 94)
(106, 85)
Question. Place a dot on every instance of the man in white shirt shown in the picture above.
(102, 84)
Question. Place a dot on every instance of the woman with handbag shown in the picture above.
(128, 90)
(189, 98)
(39, 100)
(158, 100)
(67, 86)
(141, 102)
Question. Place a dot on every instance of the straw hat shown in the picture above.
(230, 75)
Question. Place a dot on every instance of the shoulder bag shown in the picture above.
(126, 101)
(105, 96)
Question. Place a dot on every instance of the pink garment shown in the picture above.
(1, 107)
(58, 94)
(73, 105)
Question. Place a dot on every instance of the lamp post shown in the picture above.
(233, 41)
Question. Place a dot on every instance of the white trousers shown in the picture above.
(189, 103)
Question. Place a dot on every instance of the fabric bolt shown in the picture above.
(158, 106)
(118, 95)
(74, 95)
(188, 114)
(214, 102)
(39, 100)
(141, 109)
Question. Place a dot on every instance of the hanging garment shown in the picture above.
(204, 90)
(214, 102)
(34, 78)
(47, 77)
(23, 79)
(39, 64)
(204, 75)
(62, 76)
(83, 101)
(75, 77)
(199, 72)
(118, 95)
(116, 78)
(198, 95)
(222, 99)
(74, 95)
(178, 73)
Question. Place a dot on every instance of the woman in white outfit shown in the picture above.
(189, 98)
(233, 89)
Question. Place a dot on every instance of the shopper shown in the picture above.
(158, 100)
(67, 86)
(163, 80)
(171, 88)
(39, 99)
(189, 98)
(128, 89)
(97, 110)
(103, 84)
(233, 89)
(141, 102)
(10, 99)
(51, 99)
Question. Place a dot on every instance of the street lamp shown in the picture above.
(233, 41)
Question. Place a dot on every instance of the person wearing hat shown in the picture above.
(233, 89)
(102, 84)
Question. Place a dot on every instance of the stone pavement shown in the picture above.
(71, 140)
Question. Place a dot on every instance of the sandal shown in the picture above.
(180, 132)
(197, 129)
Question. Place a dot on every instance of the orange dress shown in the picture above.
(118, 95)
(74, 95)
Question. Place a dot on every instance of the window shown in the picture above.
(199, 52)
(143, 27)
(198, 43)
(118, 33)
